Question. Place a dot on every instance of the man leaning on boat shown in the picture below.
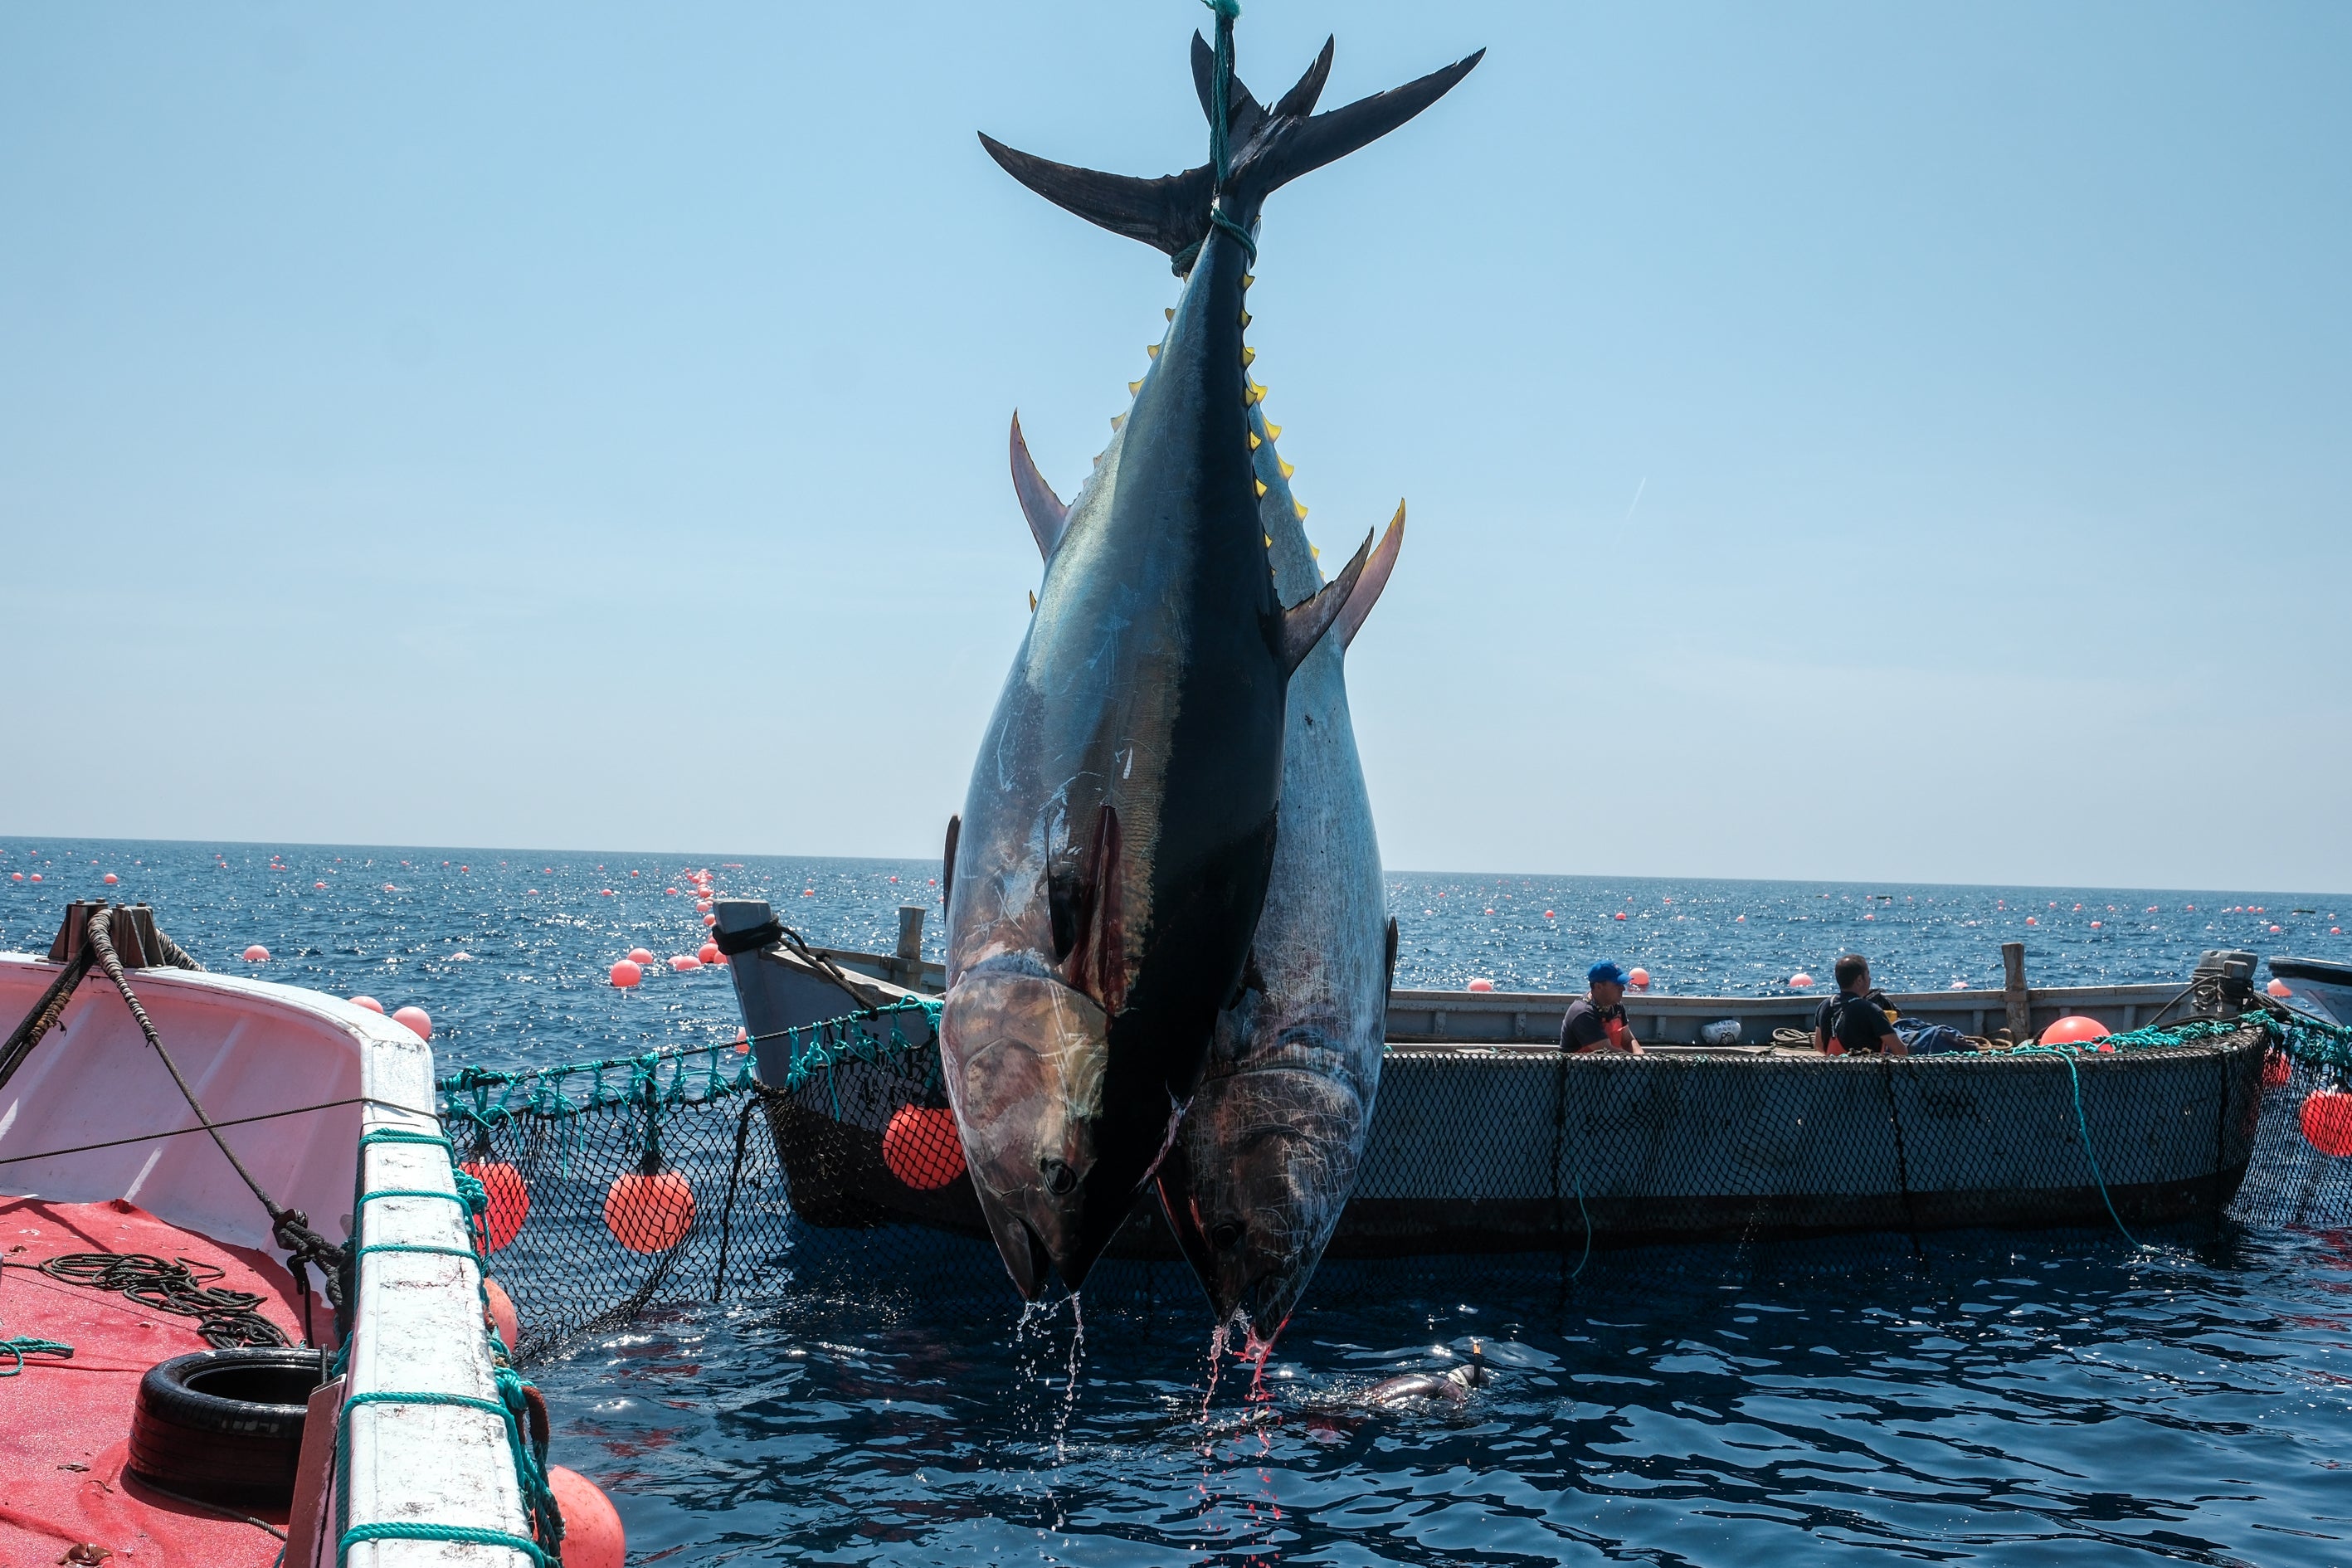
(1855, 1021)
(1596, 1021)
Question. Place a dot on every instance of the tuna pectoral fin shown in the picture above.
(1170, 213)
(1303, 624)
(1175, 1182)
(947, 864)
(1375, 578)
(1046, 514)
(1388, 961)
(1095, 960)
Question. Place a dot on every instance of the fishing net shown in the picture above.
(619, 1187)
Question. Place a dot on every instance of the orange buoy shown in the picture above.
(1481, 984)
(1640, 977)
(711, 919)
(742, 1042)
(593, 1536)
(257, 954)
(640, 955)
(369, 1002)
(319, 887)
(111, 879)
(418, 1019)
(649, 1212)
(922, 1147)
(1800, 982)
(2274, 931)
(626, 973)
(509, 1200)
(1620, 915)
(683, 961)
(1549, 915)
(2279, 988)
(709, 953)
(501, 1314)
(2327, 1121)
(2276, 1069)
(2074, 1030)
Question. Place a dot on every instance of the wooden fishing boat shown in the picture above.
(383, 1433)
(1486, 1137)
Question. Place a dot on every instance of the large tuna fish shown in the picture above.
(1266, 1155)
(1105, 876)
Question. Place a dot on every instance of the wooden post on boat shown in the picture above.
(908, 970)
(2019, 1000)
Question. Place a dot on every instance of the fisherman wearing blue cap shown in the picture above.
(1596, 1022)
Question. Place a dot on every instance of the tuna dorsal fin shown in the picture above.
(947, 861)
(1375, 578)
(1170, 213)
(1046, 514)
(1096, 958)
(1303, 624)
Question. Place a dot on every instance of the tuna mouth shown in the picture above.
(1020, 1245)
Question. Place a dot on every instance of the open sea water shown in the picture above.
(2047, 1399)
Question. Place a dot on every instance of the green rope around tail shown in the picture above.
(1221, 112)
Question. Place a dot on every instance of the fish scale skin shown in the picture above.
(1275, 1134)
(1149, 680)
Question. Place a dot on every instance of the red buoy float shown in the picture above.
(593, 1536)
(111, 879)
(709, 953)
(509, 1199)
(2074, 1030)
(257, 954)
(1800, 982)
(922, 1147)
(418, 1019)
(2327, 1121)
(649, 1210)
(1639, 978)
(369, 1002)
(640, 955)
(1481, 984)
(683, 963)
(2277, 1070)
(2279, 988)
(626, 973)
(501, 1314)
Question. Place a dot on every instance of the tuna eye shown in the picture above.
(1226, 1235)
(1059, 1177)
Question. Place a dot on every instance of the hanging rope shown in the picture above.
(1221, 113)
(291, 1227)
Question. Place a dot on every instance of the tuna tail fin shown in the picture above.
(1170, 213)
(1271, 147)
(1303, 624)
(1046, 511)
(1294, 142)
(1375, 578)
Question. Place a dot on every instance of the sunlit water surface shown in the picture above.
(2063, 1399)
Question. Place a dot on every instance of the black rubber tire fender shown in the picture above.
(224, 1425)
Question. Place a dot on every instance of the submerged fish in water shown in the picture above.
(1267, 1152)
(1105, 876)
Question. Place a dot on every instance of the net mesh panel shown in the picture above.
(622, 1186)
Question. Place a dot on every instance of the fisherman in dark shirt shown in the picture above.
(1596, 1022)
(1856, 1019)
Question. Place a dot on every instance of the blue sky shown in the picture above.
(1842, 441)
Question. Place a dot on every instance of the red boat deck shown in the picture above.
(65, 1425)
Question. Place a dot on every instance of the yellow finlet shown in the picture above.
(1151, 349)
(1287, 469)
(1247, 279)
(1302, 510)
(1256, 394)
(1272, 431)
(1133, 387)
(1269, 541)
(1032, 602)
(1261, 486)
(1249, 354)
(1244, 318)
(1170, 313)
(1253, 440)
(1316, 550)
(1117, 420)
